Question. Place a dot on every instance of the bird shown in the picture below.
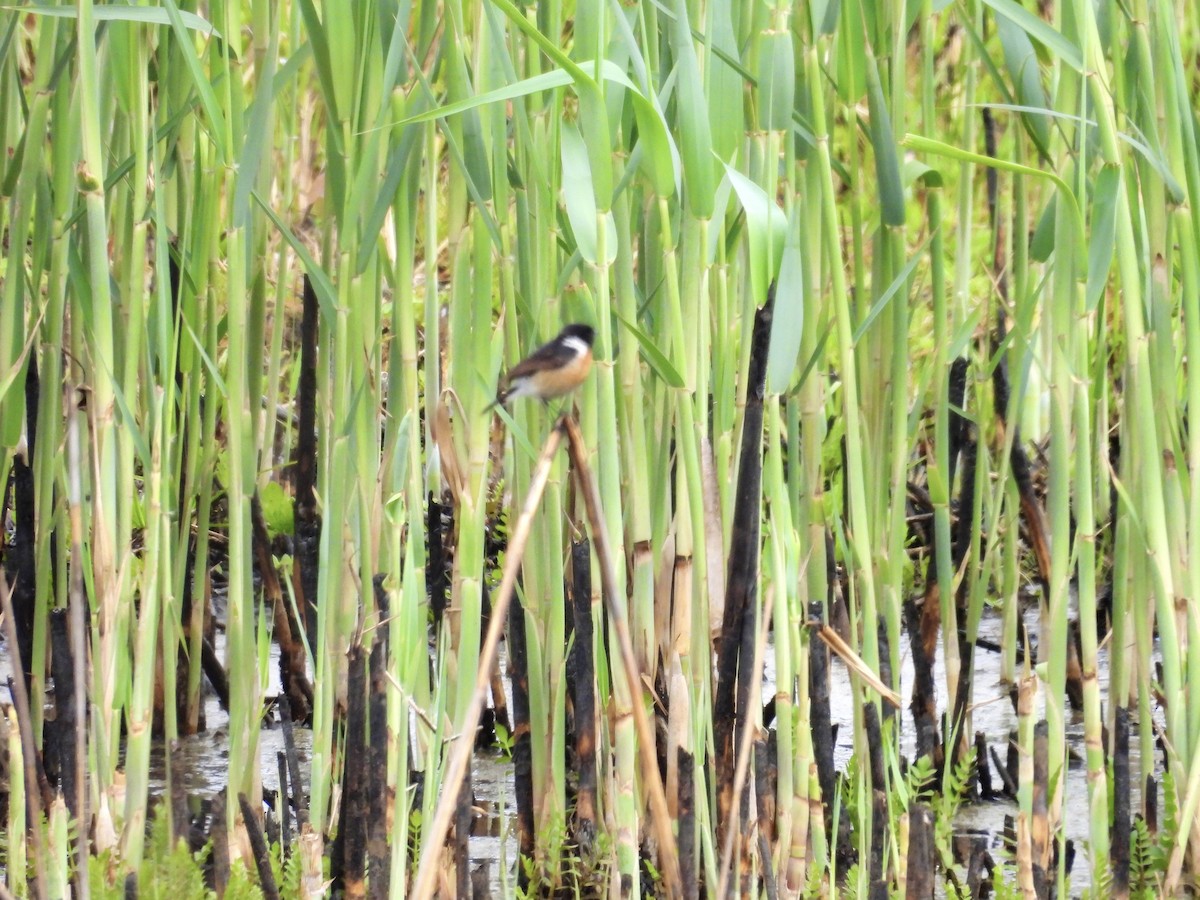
(552, 370)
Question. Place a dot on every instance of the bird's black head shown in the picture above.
(584, 333)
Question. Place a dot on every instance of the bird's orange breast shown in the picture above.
(563, 379)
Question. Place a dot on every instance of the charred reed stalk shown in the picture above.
(731, 716)
(960, 257)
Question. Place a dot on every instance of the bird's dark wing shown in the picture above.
(547, 356)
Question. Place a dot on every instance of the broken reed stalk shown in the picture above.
(921, 860)
(668, 859)
(352, 837)
(522, 751)
(1119, 844)
(379, 860)
(853, 661)
(262, 853)
(19, 555)
(464, 743)
(685, 803)
(734, 681)
(285, 812)
(59, 746)
(305, 566)
(819, 716)
(293, 761)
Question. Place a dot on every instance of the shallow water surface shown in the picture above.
(203, 758)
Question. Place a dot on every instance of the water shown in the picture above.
(992, 713)
(203, 758)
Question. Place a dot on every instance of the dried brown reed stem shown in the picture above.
(668, 859)
(460, 755)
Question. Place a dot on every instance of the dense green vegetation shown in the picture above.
(925, 183)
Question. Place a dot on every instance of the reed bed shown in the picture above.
(895, 305)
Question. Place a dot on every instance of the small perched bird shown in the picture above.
(552, 370)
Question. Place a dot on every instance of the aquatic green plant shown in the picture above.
(979, 224)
